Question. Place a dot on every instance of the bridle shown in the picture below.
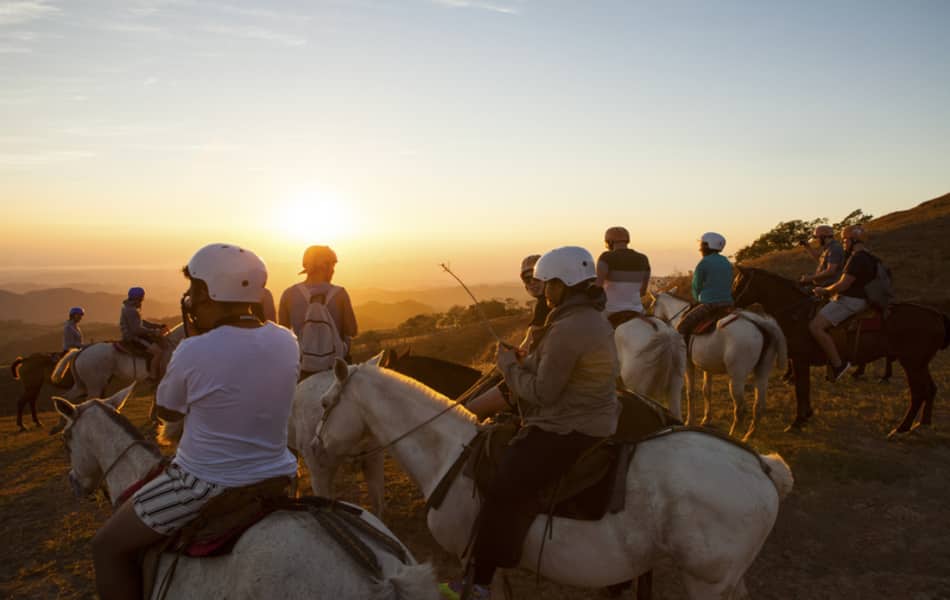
(100, 481)
(381, 448)
(672, 319)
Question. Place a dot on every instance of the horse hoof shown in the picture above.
(921, 431)
(896, 435)
(20, 429)
(796, 426)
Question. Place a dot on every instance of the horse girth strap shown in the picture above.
(442, 488)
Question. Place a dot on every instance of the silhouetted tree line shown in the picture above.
(788, 234)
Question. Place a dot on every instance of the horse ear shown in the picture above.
(66, 408)
(377, 360)
(118, 399)
(341, 370)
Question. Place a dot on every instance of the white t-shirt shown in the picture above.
(236, 387)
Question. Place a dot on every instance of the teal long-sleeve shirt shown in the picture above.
(712, 280)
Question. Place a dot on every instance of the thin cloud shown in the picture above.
(262, 13)
(257, 33)
(498, 7)
(22, 11)
(38, 159)
(126, 27)
(150, 81)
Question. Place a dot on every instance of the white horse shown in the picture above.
(737, 347)
(652, 360)
(305, 417)
(701, 500)
(96, 364)
(287, 555)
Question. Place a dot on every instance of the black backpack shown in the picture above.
(880, 290)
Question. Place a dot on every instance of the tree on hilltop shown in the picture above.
(788, 234)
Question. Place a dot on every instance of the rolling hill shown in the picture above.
(914, 243)
(49, 306)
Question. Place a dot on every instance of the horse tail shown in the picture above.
(779, 473)
(62, 367)
(946, 331)
(773, 336)
(15, 367)
(408, 581)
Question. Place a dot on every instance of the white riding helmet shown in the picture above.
(570, 264)
(231, 273)
(713, 240)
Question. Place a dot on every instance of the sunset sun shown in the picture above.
(314, 216)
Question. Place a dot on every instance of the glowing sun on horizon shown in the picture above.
(314, 217)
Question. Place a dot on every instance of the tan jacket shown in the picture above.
(569, 381)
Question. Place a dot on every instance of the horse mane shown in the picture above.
(117, 418)
(770, 274)
(409, 384)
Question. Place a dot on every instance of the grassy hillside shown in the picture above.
(914, 243)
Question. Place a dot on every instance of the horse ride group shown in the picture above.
(642, 486)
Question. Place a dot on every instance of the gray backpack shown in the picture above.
(320, 341)
(880, 290)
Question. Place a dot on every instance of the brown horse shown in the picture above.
(912, 334)
(33, 371)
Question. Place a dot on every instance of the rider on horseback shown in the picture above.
(72, 335)
(624, 274)
(497, 398)
(849, 297)
(830, 258)
(234, 386)
(712, 283)
(566, 387)
(139, 333)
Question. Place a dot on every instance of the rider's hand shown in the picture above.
(505, 355)
(804, 279)
(821, 292)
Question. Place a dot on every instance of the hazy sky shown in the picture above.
(410, 132)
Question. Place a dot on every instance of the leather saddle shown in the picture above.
(867, 320)
(708, 325)
(132, 349)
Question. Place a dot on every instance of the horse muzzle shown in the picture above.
(78, 490)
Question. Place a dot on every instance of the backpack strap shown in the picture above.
(305, 290)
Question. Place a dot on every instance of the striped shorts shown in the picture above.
(172, 499)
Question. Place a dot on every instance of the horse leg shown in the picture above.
(758, 405)
(19, 411)
(690, 392)
(374, 475)
(707, 392)
(927, 415)
(919, 384)
(737, 392)
(803, 410)
(888, 369)
(33, 398)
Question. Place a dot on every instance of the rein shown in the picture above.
(366, 453)
(676, 314)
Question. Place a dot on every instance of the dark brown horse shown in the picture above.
(33, 371)
(448, 378)
(912, 334)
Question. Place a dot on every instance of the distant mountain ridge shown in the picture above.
(52, 306)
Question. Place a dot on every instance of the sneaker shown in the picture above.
(453, 591)
(836, 374)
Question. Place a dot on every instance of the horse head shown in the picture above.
(82, 437)
(342, 426)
